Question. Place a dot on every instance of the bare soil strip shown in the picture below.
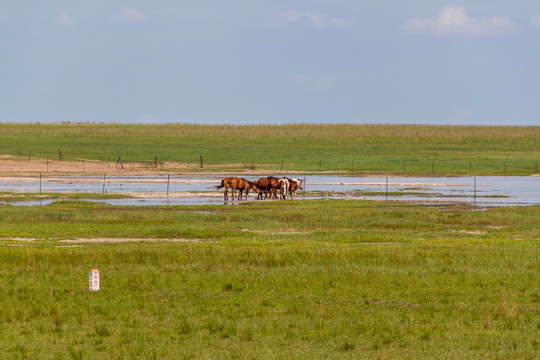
(103, 240)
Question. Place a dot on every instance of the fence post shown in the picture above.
(475, 190)
(201, 162)
(387, 188)
(304, 187)
(168, 180)
(319, 165)
(104, 175)
(282, 166)
(40, 183)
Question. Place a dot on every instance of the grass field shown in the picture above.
(318, 279)
(357, 149)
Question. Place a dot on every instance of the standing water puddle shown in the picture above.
(199, 189)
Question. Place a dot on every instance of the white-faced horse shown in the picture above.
(284, 188)
(294, 185)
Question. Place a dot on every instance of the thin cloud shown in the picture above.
(535, 20)
(312, 81)
(62, 18)
(318, 20)
(454, 20)
(461, 114)
(129, 16)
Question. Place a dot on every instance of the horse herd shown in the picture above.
(265, 186)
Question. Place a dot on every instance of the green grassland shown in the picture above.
(317, 279)
(358, 149)
(321, 279)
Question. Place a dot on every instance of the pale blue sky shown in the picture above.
(253, 62)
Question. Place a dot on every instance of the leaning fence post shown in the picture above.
(475, 190)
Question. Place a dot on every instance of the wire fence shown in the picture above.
(392, 167)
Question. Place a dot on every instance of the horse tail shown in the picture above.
(219, 186)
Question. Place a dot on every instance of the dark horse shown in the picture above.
(236, 183)
(263, 184)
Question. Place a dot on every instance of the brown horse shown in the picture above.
(281, 184)
(295, 185)
(263, 184)
(236, 183)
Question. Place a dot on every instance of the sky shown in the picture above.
(474, 62)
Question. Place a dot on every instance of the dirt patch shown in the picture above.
(20, 166)
(102, 240)
(463, 231)
(24, 166)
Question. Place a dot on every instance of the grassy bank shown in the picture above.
(303, 280)
(357, 149)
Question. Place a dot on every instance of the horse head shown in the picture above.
(253, 186)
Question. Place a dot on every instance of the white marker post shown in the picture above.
(93, 280)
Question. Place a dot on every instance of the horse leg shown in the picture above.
(225, 196)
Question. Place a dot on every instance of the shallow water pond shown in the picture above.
(199, 189)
